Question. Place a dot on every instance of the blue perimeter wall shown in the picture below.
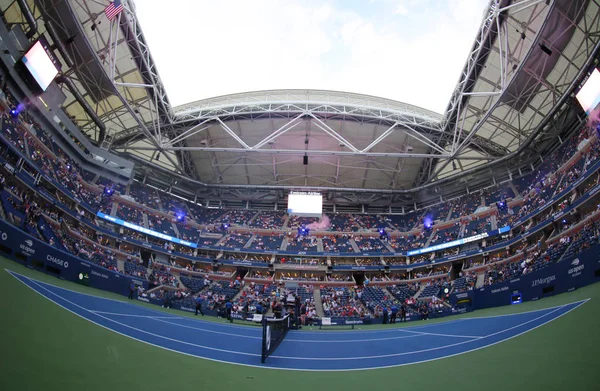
(36, 254)
(565, 276)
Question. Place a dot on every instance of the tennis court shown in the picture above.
(301, 350)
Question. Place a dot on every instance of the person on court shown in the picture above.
(199, 305)
(131, 290)
(402, 313)
(228, 308)
(277, 310)
(394, 311)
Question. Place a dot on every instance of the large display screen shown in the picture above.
(589, 95)
(305, 204)
(40, 65)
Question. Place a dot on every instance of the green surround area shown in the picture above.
(47, 348)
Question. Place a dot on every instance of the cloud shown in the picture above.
(401, 10)
(218, 48)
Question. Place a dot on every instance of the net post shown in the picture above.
(263, 356)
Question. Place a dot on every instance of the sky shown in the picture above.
(412, 51)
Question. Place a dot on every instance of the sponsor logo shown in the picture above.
(268, 338)
(26, 247)
(354, 322)
(543, 281)
(577, 269)
(575, 262)
(245, 263)
(504, 288)
(187, 309)
(4, 235)
(101, 275)
(515, 280)
(462, 295)
(57, 261)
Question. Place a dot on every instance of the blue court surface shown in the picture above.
(301, 350)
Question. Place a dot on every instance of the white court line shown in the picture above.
(130, 315)
(249, 327)
(289, 369)
(430, 349)
(440, 335)
(442, 323)
(137, 306)
(134, 328)
(205, 330)
(288, 339)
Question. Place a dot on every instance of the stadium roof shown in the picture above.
(527, 57)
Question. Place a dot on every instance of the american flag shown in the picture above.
(113, 9)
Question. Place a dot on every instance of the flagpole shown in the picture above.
(116, 45)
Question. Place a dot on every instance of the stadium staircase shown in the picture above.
(176, 274)
(388, 246)
(388, 293)
(223, 240)
(449, 214)
(176, 230)
(285, 222)
(354, 246)
(480, 280)
(318, 303)
(239, 294)
(494, 221)
(251, 240)
(252, 218)
(121, 265)
(419, 220)
(461, 231)
(145, 218)
(113, 210)
(26, 145)
(513, 187)
(284, 244)
(127, 188)
(421, 289)
(430, 238)
(319, 245)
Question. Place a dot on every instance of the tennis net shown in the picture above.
(274, 331)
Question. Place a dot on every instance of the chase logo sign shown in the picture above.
(57, 261)
(4, 236)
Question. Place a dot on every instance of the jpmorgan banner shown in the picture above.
(564, 276)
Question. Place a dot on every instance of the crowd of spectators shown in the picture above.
(87, 244)
(342, 301)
